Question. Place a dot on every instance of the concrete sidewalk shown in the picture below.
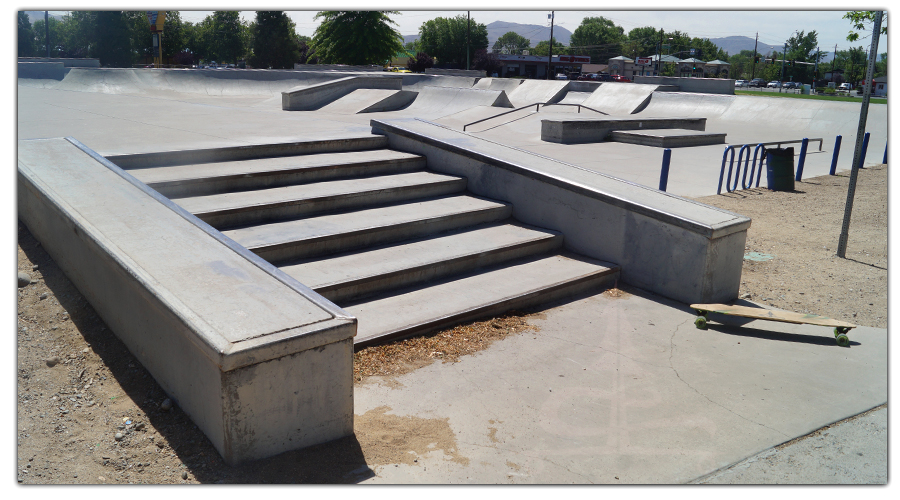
(627, 391)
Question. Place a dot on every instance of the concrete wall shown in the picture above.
(700, 85)
(258, 361)
(41, 70)
(666, 244)
(336, 67)
(587, 130)
(455, 72)
(318, 95)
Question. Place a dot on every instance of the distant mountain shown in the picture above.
(735, 44)
(38, 15)
(534, 32)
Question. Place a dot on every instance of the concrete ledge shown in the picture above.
(669, 138)
(248, 152)
(41, 70)
(587, 129)
(261, 363)
(68, 62)
(478, 73)
(320, 94)
(669, 245)
(701, 85)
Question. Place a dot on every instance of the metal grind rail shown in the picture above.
(731, 186)
(536, 109)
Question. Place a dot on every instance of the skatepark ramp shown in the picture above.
(371, 101)
(315, 96)
(434, 102)
(623, 98)
(532, 91)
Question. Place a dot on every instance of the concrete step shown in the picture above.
(523, 284)
(222, 177)
(667, 138)
(341, 232)
(260, 206)
(355, 275)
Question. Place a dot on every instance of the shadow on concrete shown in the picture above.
(826, 339)
(340, 461)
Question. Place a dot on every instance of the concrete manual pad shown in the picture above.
(667, 138)
(626, 390)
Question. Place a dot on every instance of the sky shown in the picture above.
(774, 21)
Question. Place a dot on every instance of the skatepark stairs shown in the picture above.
(402, 248)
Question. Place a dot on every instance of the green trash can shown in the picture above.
(780, 169)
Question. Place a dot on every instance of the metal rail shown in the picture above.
(732, 186)
(536, 109)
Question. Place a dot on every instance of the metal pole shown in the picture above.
(802, 161)
(783, 54)
(47, 30)
(860, 133)
(755, 44)
(664, 173)
(550, 55)
(862, 157)
(834, 156)
(816, 69)
(833, 59)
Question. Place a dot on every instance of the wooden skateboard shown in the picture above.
(840, 327)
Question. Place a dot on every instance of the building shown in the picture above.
(529, 66)
(716, 69)
(880, 86)
(690, 67)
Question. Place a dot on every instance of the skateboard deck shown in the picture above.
(840, 327)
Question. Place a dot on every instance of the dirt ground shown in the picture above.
(88, 413)
(800, 231)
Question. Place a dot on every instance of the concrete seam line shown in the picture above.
(709, 231)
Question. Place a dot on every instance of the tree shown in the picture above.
(862, 20)
(275, 44)
(420, 63)
(113, 39)
(853, 62)
(26, 36)
(488, 62)
(597, 37)
(543, 48)
(356, 37)
(174, 40)
(227, 36)
(644, 40)
(511, 43)
(445, 39)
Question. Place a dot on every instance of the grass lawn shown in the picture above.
(873, 100)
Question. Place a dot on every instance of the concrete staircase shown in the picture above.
(402, 248)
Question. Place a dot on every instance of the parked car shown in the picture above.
(791, 85)
(757, 82)
(845, 87)
(620, 78)
(774, 84)
(561, 76)
(604, 77)
(740, 83)
(588, 77)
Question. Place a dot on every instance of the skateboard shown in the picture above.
(840, 327)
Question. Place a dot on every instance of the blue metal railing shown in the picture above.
(834, 156)
(862, 157)
(747, 166)
(664, 173)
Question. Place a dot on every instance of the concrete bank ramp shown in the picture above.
(434, 102)
(573, 97)
(532, 91)
(371, 101)
(621, 98)
(417, 81)
(467, 116)
(507, 84)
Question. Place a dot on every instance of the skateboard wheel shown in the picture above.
(700, 322)
(843, 340)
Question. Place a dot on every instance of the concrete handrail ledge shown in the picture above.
(663, 243)
(261, 363)
(691, 215)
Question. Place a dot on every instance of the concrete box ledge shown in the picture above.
(664, 243)
(317, 95)
(581, 130)
(261, 363)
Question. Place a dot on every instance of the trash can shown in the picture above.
(805, 90)
(780, 169)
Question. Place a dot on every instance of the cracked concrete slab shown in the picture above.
(627, 390)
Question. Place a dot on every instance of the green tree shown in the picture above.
(227, 36)
(356, 37)
(644, 40)
(511, 43)
(39, 28)
(419, 63)
(597, 37)
(862, 20)
(543, 48)
(445, 39)
(174, 38)
(114, 39)
(25, 36)
(275, 44)
(853, 62)
(412, 47)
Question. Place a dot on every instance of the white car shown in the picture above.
(561, 76)
(741, 83)
(845, 87)
(774, 84)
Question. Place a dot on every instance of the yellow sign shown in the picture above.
(157, 19)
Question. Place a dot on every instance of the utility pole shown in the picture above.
(782, 67)
(550, 55)
(755, 44)
(816, 69)
(659, 51)
(467, 38)
(860, 133)
(47, 28)
(833, 60)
